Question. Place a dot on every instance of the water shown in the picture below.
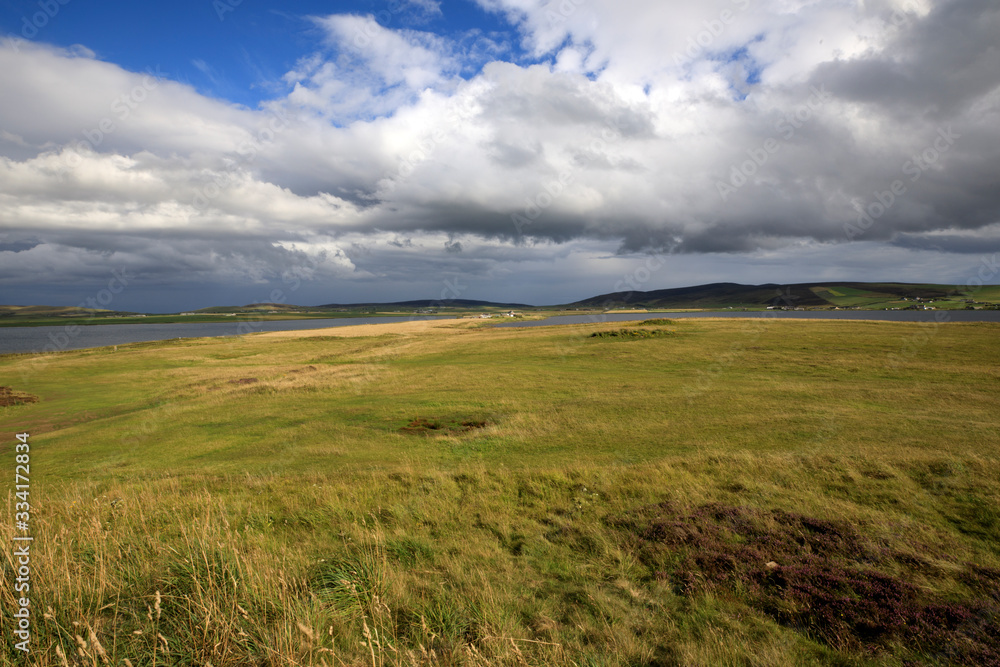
(70, 337)
(66, 337)
(881, 315)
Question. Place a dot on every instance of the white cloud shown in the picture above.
(374, 71)
(620, 136)
(429, 7)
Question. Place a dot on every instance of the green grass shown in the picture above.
(854, 298)
(323, 499)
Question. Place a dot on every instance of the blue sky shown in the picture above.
(229, 49)
(537, 151)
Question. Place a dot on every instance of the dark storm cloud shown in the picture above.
(937, 65)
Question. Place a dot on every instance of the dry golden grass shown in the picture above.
(257, 501)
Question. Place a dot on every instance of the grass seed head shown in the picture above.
(306, 630)
(97, 647)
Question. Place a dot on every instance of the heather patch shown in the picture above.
(823, 578)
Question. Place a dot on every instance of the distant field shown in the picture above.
(697, 492)
(870, 296)
(936, 296)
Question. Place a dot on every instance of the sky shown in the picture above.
(225, 152)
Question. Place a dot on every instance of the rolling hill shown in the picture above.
(802, 295)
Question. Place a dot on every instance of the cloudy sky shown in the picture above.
(223, 151)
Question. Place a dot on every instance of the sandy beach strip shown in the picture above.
(360, 330)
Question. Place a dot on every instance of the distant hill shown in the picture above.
(827, 294)
(50, 311)
(428, 303)
(257, 307)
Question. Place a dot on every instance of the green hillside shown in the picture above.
(874, 296)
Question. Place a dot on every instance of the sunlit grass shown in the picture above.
(272, 494)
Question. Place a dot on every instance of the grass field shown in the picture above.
(937, 296)
(698, 492)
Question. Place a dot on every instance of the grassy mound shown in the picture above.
(631, 334)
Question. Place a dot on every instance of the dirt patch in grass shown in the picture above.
(9, 396)
(244, 381)
(631, 334)
(426, 427)
(817, 576)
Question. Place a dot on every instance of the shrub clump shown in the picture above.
(9, 396)
(631, 334)
(425, 426)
